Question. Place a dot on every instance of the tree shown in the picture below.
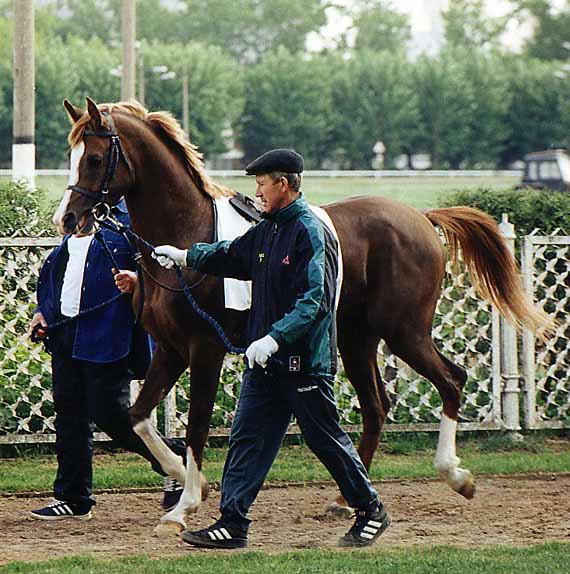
(373, 99)
(539, 109)
(380, 27)
(464, 100)
(288, 104)
(215, 86)
(467, 25)
(551, 37)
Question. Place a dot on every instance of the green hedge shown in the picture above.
(23, 211)
(527, 209)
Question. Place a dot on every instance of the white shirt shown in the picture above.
(73, 277)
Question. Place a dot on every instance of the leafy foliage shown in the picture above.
(21, 210)
(527, 209)
(288, 104)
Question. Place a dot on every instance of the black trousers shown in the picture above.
(84, 394)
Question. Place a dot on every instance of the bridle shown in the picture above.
(102, 208)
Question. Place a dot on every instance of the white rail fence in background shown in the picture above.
(466, 329)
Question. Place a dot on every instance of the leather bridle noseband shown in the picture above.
(102, 208)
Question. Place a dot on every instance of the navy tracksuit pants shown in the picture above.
(264, 411)
(85, 393)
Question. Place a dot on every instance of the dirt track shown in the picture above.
(517, 511)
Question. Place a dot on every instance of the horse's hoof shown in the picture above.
(339, 510)
(168, 528)
(468, 488)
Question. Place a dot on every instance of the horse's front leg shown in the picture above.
(166, 366)
(205, 366)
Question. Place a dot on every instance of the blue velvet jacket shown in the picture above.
(107, 334)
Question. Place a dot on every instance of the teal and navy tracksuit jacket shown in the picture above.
(292, 259)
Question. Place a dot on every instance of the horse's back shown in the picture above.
(393, 258)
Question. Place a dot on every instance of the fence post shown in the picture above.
(509, 356)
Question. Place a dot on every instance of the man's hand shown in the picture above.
(260, 351)
(38, 326)
(125, 280)
(168, 256)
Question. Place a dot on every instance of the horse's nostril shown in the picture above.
(69, 222)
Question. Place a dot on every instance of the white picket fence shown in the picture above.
(501, 364)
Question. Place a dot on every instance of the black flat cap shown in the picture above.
(285, 160)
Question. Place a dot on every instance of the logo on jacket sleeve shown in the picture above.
(285, 260)
(261, 257)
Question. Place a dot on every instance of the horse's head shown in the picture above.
(100, 172)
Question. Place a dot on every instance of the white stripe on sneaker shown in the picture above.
(370, 529)
(374, 523)
(219, 535)
(366, 535)
(226, 533)
(212, 535)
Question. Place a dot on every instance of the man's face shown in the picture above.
(273, 195)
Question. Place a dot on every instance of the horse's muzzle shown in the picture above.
(69, 222)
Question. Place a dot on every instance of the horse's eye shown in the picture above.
(94, 160)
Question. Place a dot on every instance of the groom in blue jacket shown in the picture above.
(94, 358)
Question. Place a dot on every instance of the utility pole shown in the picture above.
(141, 95)
(23, 146)
(185, 103)
(129, 61)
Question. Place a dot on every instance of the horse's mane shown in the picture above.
(168, 129)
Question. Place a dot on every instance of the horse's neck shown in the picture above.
(180, 215)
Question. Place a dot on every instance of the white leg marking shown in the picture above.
(171, 463)
(192, 495)
(446, 460)
(75, 158)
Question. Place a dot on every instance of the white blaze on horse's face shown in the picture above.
(74, 159)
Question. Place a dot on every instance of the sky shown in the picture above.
(426, 26)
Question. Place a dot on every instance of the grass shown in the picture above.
(552, 558)
(419, 192)
(297, 464)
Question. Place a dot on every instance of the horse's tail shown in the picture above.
(492, 267)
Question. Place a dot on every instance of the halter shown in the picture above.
(102, 209)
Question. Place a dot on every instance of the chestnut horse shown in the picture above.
(394, 264)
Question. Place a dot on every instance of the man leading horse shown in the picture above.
(292, 259)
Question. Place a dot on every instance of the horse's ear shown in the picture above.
(73, 112)
(94, 112)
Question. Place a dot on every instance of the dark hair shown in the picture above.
(293, 179)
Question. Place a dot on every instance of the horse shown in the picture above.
(393, 259)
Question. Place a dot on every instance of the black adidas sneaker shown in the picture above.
(367, 527)
(171, 493)
(219, 535)
(59, 510)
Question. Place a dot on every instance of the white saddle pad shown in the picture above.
(231, 225)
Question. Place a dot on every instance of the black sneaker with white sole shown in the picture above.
(219, 535)
(60, 510)
(172, 491)
(367, 527)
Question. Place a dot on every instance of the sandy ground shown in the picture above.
(510, 511)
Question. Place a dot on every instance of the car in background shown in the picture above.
(549, 169)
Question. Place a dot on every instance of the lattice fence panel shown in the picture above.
(463, 331)
(26, 406)
(547, 364)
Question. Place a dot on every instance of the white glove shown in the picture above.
(259, 351)
(168, 255)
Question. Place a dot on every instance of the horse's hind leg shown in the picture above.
(360, 364)
(422, 355)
